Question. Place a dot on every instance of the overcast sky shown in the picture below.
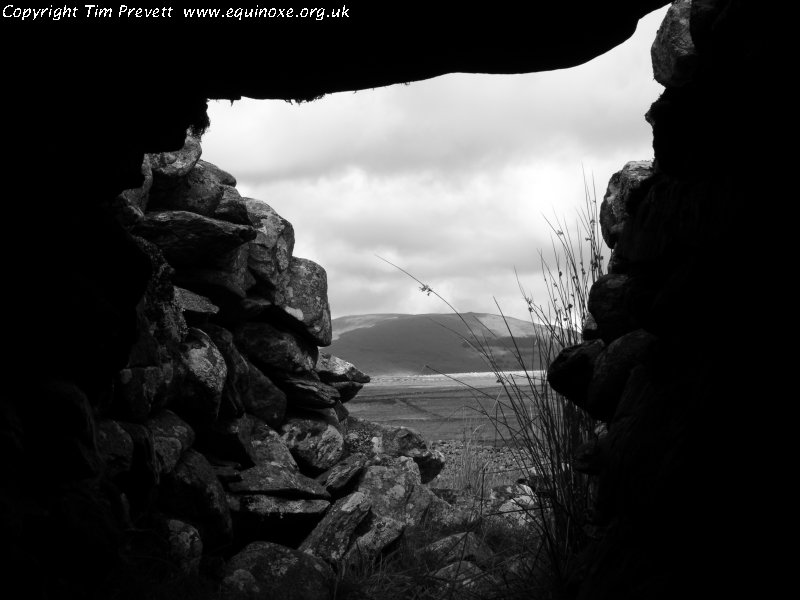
(449, 178)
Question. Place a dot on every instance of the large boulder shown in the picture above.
(265, 570)
(271, 250)
(194, 305)
(272, 349)
(129, 205)
(193, 493)
(343, 475)
(225, 279)
(237, 380)
(616, 302)
(185, 546)
(377, 439)
(232, 207)
(262, 398)
(396, 490)
(314, 441)
(276, 519)
(673, 52)
(620, 196)
(332, 369)
(268, 447)
(172, 437)
(229, 440)
(307, 391)
(332, 537)
(376, 534)
(612, 368)
(571, 371)
(160, 322)
(188, 239)
(274, 480)
(205, 375)
(169, 168)
(198, 192)
(304, 297)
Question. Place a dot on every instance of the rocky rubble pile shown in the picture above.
(228, 429)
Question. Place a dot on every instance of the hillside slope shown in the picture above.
(398, 344)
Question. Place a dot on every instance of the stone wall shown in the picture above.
(225, 438)
(669, 362)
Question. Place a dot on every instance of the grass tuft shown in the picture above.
(538, 427)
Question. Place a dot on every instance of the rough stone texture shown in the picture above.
(223, 286)
(160, 323)
(237, 382)
(105, 124)
(273, 349)
(199, 192)
(332, 369)
(264, 570)
(621, 197)
(129, 205)
(271, 251)
(347, 390)
(170, 167)
(315, 444)
(232, 207)
(570, 373)
(192, 492)
(269, 447)
(195, 304)
(304, 297)
(307, 392)
(673, 52)
(269, 478)
(332, 537)
(274, 518)
(222, 176)
(379, 533)
(185, 546)
(396, 490)
(364, 436)
(188, 239)
(343, 474)
(172, 437)
(611, 370)
(262, 398)
(206, 372)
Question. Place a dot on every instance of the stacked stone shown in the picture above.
(228, 428)
(654, 365)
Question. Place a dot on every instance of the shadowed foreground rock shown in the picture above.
(90, 151)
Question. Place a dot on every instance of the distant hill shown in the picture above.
(398, 344)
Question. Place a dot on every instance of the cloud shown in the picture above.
(448, 178)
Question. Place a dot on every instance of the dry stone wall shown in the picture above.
(659, 362)
(228, 431)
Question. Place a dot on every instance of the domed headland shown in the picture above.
(166, 405)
